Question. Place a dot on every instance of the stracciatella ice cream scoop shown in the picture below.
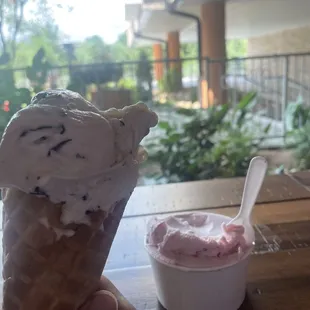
(65, 149)
(67, 173)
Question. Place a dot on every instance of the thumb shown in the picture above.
(103, 300)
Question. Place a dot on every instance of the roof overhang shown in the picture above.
(244, 18)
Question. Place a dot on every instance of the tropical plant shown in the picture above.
(300, 143)
(297, 114)
(213, 143)
(297, 138)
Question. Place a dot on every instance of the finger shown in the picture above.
(123, 304)
(101, 300)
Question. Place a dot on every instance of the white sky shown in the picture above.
(105, 18)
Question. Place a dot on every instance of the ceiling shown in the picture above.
(244, 18)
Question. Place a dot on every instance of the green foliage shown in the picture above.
(236, 48)
(93, 50)
(36, 36)
(212, 144)
(301, 146)
(12, 98)
(297, 114)
(172, 81)
(22, 37)
(81, 77)
(126, 84)
(38, 71)
(194, 94)
(298, 138)
(144, 78)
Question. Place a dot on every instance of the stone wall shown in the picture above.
(288, 41)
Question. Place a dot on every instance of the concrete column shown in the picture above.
(214, 47)
(175, 71)
(158, 66)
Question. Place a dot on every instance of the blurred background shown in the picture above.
(229, 79)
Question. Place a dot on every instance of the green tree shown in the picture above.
(48, 37)
(93, 50)
(236, 48)
(189, 50)
(11, 19)
(21, 38)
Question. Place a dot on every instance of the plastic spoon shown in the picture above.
(253, 182)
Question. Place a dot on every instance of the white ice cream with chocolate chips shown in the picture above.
(63, 148)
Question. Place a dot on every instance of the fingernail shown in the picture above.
(104, 300)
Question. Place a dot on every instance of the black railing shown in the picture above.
(277, 79)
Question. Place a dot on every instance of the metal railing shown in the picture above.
(277, 79)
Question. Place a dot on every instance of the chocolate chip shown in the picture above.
(23, 134)
(40, 140)
(38, 178)
(39, 96)
(78, 155)
(85, 197)
(87, 212)
(62, 129)
(42, 128)
(39, 192)
(122, 123)
(98, 207)
(58, 146)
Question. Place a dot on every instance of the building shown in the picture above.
(271, 27)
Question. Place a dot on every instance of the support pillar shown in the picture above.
(214, 47)
(175, 67)
(158, 66)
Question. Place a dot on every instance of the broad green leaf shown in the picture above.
(246, 100)
(164, 125)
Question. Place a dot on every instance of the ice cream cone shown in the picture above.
(49, 266)
(75, 167)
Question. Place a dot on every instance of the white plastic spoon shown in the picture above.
(253, 182)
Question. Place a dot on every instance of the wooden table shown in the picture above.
(279, 270)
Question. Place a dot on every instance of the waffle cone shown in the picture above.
(43, 271)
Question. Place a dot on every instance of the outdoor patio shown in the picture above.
(274, 112)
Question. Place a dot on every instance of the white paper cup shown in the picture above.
(182, 288)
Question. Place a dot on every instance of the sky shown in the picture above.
(105, 18)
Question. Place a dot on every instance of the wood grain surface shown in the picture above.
(209, 194)
(279, 269)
